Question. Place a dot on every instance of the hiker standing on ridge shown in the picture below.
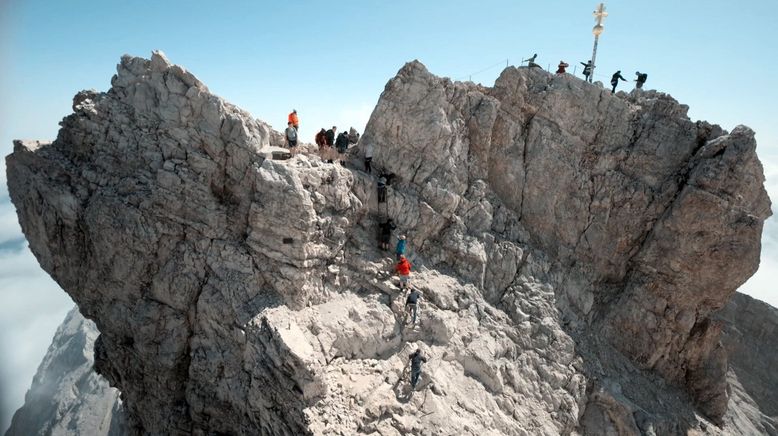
(587, 70)
(615, 80)
(416, 360)
(320, 138)
(531, 61)
(412, 304)
(291, 138)
(642, 77)
(403, 268)
(562, 66)
(341, 144)
(385, 233)
(329, 142)
(400, 249)
(294, 120)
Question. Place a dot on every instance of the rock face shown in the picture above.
(750, 327)
(67, 397)
(571, 246)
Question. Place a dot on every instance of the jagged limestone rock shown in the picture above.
(552, 225)
(67, 397)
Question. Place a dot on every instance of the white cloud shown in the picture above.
(33, 306)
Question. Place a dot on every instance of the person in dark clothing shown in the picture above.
(382, 189)
(531, 61)
(416, 360)
(587, 70)
(412, 304)
(368, 158)
(615, 80)
(385, 233)
(562, 66)
(321, 138)
(642, 77)
(329, 137)
(341, 144)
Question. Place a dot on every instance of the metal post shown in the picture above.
(599, 16)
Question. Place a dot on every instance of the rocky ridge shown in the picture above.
(571, 246)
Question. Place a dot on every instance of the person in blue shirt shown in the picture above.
(400, 249)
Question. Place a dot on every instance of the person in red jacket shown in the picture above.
(294, 120)
(403, 268)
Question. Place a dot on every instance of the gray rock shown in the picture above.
(570, 245)
(67, 397)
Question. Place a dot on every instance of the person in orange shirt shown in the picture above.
(404, 270)
(294, 120)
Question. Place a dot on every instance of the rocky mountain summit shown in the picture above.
(572, 248)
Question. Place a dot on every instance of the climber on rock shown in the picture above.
(381, 189)
(329, 136)
(615, 80)
(341, 144)
(531, 61)
(642, 77)
(412, 304)
(293, 120)
(400, 248)
(403, 269)
(291, 137)
(329, 141)
(587, 70)
(416, 361)
(562, 66)
(385, 233)
(368, 158)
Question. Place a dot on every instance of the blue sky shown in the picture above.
(331, 61)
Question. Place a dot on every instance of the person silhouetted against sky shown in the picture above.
(642, 77)
(615, 80)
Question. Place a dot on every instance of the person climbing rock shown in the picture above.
(291, 137)
(562, 66)
(368, 158)
(385, 233)
(642, 77)
(403, 269)
(321, 138)
(382, 189)
(587, 70)
(531, 61)
(416, 360)
(294, 120)
(615, 80)
(412, 304)
(353, 136)
(400, 248)
(341, 144)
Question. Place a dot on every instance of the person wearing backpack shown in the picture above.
(341, 144)
(403, 269)
(642, 77)
(412, 305)
(385, 233)
(291, 137)
(321, 138)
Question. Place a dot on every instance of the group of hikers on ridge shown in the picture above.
(333, 145)
(587, 71)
